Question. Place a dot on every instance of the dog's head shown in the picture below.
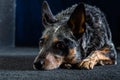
(60, 41)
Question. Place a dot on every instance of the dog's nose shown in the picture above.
(38, 65)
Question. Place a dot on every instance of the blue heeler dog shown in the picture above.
(77, 37)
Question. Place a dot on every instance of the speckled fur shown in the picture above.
(96, 37)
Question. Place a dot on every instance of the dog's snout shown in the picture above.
(38, 65)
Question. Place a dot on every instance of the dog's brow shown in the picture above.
(45, 36)
(55, 39)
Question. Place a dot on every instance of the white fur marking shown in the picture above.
(38, 55)
(57, 29)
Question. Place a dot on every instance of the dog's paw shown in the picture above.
(87, 63)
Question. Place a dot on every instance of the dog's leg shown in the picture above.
(98, 56)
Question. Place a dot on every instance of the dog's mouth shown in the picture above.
(49, 63)
(36, 66)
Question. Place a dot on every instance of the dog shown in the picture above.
(77, 37)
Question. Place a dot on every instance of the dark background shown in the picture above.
(28, 18)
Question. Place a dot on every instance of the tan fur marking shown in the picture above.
(81, 25)
(102, 59)
(71, 57)
(71, 60)
(45, 36)
(100, 55)
(95, 57)
(83, 18)
(72, 51)
(55, 39)
(81, 30)
(105, 50)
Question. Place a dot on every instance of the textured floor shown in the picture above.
(16, 64)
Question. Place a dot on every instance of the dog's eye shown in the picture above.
(60, 45)
(41, 42)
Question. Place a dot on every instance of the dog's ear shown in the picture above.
(77, 21)
(47, 16)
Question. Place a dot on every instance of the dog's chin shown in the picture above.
(46, 67)
(50, 67)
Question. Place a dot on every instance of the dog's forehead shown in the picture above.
(48, 31)
(56, 31)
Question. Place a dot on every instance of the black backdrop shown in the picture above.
(28, 18)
